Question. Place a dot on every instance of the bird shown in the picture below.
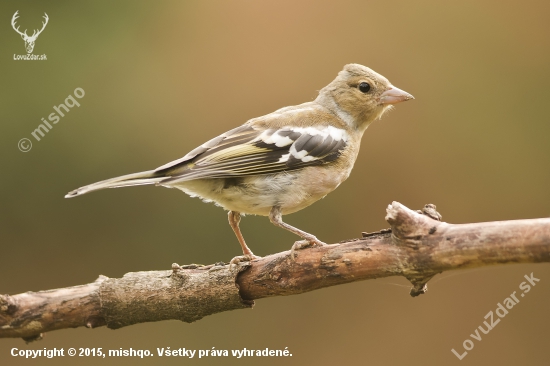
(282, 162)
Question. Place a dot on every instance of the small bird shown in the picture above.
(282, 162)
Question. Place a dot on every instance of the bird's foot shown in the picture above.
(242, 258)
(306, 243)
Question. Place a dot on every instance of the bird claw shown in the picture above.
(306, 243)
(242, 258)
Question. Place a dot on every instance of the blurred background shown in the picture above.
(160, 78)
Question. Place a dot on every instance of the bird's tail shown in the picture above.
(136, 179)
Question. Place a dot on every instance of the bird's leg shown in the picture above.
(276, 218)
(234, 220)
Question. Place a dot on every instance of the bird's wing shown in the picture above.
(250, 151)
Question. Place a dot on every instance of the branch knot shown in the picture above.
(409, 226)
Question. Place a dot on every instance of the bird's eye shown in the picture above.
(364, 87)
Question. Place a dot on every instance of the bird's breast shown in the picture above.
(256, 195)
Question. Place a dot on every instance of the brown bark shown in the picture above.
(417, 247)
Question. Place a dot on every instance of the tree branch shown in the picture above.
(418, 246)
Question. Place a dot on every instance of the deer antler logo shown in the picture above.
(29, 41)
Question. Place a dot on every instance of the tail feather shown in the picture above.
(136, 179)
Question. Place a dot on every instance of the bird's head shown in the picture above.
(360, 95)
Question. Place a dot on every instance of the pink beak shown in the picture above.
(394, 95)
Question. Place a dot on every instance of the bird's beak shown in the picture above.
(394, 95)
